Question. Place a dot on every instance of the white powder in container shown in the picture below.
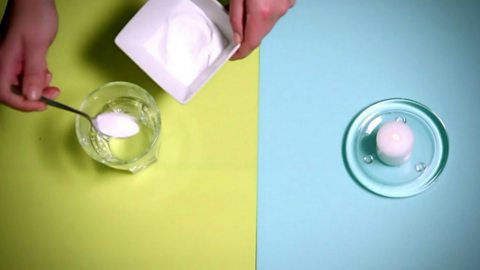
(189, 42)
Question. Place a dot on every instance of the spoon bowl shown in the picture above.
(112, 124)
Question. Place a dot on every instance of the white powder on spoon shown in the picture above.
(116, 124)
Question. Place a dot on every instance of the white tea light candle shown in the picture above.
(394, 143)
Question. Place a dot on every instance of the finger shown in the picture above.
(34, 71)
(10, 95)
(51, 92)
(48, 78)
(10, 63)
(237, 19)
(255, 30)
(239, 54)
(20, 103)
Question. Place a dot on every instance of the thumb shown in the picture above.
(35, 67)
(237, 18)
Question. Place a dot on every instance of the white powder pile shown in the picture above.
(189, 42)
(116, 124)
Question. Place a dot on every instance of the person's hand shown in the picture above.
(26, 32)
(253, 19)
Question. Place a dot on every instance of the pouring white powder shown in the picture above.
(188, 42)
(116, 124)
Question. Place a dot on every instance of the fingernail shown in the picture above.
(51, 92)
(55, 94)
(237, 38)
(33, 93)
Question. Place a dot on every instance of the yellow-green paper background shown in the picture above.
(193, 209)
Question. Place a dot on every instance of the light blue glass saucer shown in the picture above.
(428, 159)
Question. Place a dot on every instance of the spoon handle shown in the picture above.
(65, 107)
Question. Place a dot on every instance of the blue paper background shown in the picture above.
(323, 63)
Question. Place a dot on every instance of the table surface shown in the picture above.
(193, 209)
(196, 207)
(326, 61)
